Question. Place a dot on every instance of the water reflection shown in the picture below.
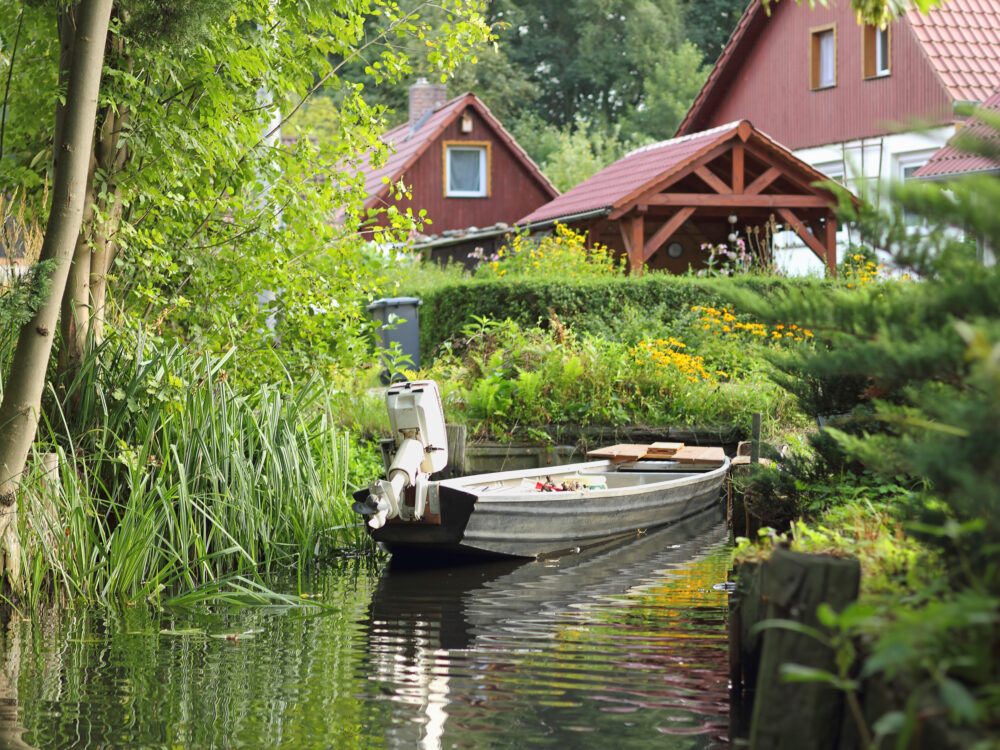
(623, 642)
(622, 646)
(11, 730)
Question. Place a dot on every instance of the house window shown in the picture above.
(834, 170)
(466, 169)
(875, 52)
(908, 165)
(823, 57)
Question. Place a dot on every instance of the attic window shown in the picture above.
(466, 169)
(823, 57)
(875, 52)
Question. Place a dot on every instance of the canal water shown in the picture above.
(623, 647)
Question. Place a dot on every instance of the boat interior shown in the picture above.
(614, 477)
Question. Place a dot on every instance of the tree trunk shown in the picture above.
(86, 288)
(75, 316)
(26, 380)
(111, 156)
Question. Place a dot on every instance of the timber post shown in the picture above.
(457, 435)
(789, 586)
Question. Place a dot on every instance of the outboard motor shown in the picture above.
(417, 421)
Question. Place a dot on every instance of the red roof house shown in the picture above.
(859, 103)
(953, 160)
(810, 76)
(661, 203)
(460, 164)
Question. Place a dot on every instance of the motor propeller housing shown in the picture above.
(416, 418)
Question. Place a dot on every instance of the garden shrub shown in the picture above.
(613, 308)
(506, 380)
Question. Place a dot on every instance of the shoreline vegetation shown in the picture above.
(166, 479)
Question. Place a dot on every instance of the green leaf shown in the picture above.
(960, 701)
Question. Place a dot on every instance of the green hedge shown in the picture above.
(597, 306)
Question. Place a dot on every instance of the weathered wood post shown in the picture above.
(457, 435)
(800, 715)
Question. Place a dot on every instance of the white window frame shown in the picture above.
(483, 149)
(882, 53)
(912, 161)
(834, 170)
(876, 51)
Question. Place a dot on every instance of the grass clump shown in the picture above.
(168, 478)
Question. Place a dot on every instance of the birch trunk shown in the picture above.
(83, 305)
(19, 410)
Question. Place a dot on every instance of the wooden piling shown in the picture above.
(457, 435)
(799, 715)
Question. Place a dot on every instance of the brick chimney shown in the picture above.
(424, 97)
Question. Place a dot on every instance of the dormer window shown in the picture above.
(466, 169)
(875, 52)
(823, 57)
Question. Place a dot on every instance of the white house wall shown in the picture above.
(869, 164)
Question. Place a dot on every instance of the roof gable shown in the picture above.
(651, 169)
(630, 174)
(959, 42)
(408, 143)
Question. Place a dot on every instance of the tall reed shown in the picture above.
(168, 479)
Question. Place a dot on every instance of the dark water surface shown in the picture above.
(623, 647)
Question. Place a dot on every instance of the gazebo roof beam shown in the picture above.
(710, 179)
(735, 200)
(765, 179)
(665, 232)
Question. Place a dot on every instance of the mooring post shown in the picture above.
(457, 435)
(792, 586)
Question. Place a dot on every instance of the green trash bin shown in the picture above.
(398, 322)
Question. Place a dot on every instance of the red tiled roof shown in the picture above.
(629, 174)
(961, 40)
(409, 144)
(951, 160)
(626, 181)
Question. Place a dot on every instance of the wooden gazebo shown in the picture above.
(662, 203)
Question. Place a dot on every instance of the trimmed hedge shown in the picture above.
(593, 305)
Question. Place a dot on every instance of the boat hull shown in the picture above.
(491, 516)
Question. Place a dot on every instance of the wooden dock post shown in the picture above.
(799, 715)
(457, 435)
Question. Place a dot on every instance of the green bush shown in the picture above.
(618, 309)
(506, 380)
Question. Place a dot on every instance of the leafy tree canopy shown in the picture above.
(223, 234)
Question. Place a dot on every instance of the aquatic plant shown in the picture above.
(173, 478)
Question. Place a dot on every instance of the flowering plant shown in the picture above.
(724, 260)
(564, 253)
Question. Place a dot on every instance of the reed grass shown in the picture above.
(169, 480)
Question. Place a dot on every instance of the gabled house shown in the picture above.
(661, 204)
(952, 162)
(859, 103)
(460, 164)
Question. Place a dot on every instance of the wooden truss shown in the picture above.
(746, 174)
